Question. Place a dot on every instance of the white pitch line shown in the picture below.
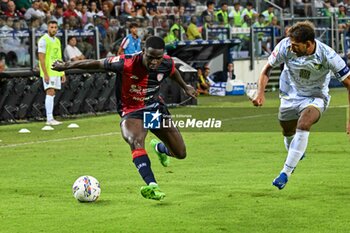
(59, 140)
(249, 117)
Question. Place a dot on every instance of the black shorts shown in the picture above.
(138, 114)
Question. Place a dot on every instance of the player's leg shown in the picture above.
(288, 131)
(308, 117)
(134, 134)
(297, 148)
(49, 103)
(50, 89)
(172, 143)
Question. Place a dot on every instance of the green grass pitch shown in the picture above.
(224, 185)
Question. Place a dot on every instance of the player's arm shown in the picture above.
(42, 57)
(120, 51)
(262, 82)
(82, 64)
(346, 83)
(187, 88)
(123, 46)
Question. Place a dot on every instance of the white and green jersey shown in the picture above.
(307, 76)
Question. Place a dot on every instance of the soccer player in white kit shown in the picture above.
(308, 64)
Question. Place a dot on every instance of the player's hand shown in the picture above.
(46, 79)
(59, 65)
(63, 79)
(259, 100)
(191, 91)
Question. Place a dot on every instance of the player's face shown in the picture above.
(52, 29)
(153, 58)
(299, 48)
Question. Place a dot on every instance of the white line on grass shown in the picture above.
(59, 140)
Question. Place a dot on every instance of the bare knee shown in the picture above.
(180, 153)
(304, 126)
(50, 92)
(135, 142)
(288, 133)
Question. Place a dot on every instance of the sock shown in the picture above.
(296, 150)
(49, 107)
(287, 141)
(143, 165)
(162, 148)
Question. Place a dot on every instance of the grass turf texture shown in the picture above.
(224, 185)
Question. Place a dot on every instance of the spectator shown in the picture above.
(141, 8)
(152, 8)
(34, 23)
(249, 11)
(184, 18)
(202, 84)
(131, 43)
(229, 75)
(3, 6)
(78, 8)
(342, 22)
(208, 12)
(23, 5)
(208, 23)
(113, 30)
(11, 10)
(192, 30)
(44, 7)
(71, 10)
(71, 52)
(105, 12)
(34, 11)
(276, 26)
(58, 15)
(221, 16)
(268, 14)
(8, 25)
(93, 10)
(175, 33)
(127, 9)
(236, 15)
(84, 15)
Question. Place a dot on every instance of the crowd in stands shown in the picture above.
(172, 19)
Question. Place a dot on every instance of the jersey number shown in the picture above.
(304, 74)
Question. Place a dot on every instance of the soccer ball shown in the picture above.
(86, 189)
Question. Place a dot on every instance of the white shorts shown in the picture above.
(290, 109)
(55, 83)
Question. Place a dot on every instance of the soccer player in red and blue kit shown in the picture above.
(137, 92)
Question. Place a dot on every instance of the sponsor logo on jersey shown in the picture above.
(134, 77)
(114, 59)
(160, 77)
(317, 66)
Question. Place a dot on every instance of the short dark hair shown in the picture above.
(302, 31)
(133, 25)
(210, 3)
(70, 37)
(52, 22)
(155, 42)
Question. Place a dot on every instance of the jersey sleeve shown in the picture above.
(337, 65)
(278, 54)
(172, 70)
(42, 46)
(114, 64)
(124, 43)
